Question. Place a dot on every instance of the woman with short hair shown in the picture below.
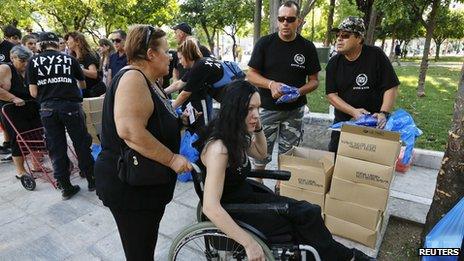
(14, 89)
(139, 127)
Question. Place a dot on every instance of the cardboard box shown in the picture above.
(369, 144)
(358, 193)
(301, 194)
(353, 213)
(93, 117)
(311, 169)
(352, 231)
(94, 130)
(92, 104)
(361, 171)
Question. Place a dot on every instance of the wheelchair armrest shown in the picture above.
(279, 208)
(270, 174)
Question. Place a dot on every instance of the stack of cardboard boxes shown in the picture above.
(363, 172)
(311, 174)
(93, 113)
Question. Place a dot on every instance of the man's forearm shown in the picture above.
(309, 87)
(389, 98)
(340, 104)
(258, 80)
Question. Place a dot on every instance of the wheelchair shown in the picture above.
(204, 241)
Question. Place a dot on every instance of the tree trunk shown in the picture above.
(209, 37)
(257, 21)
(273, 13)
(370, 39)
(425, 56)
(437, 49)
(328, 35)
(392, 48)
(312, 26)
(450, 180)
(383, 44)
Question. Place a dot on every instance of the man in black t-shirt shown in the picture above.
(54, 79)
(359, 79)
(283, 58)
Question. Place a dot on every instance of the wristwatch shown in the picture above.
(258, 130)
(386, 113)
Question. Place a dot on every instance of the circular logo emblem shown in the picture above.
(2, 57)
(299, 58)
(361, 79)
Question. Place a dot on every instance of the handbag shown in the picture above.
(97, 90)
(137, 170)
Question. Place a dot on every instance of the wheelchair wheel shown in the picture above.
(199, 212)
(204, 241)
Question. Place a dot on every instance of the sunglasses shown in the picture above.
(289, 19)
(150, 29)
(344, 35)
(116, 40)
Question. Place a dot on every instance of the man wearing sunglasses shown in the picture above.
(118, 59)
(359, 79)
(283, 58)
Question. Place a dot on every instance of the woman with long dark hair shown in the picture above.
(230, 139)
(140, 128)
(106, 49)
(89, 62)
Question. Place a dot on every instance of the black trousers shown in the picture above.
(303, 221)
(24, 118)
(138, 230)
(57, 118)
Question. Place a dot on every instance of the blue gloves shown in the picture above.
(290, 94)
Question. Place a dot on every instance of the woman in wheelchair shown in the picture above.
(228, 141)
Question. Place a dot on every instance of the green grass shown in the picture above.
(432, 113)
(432, 59)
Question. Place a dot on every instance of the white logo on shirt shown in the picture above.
(2, 57)
(299, 58)
(361, 79)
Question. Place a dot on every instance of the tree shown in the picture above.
(330, 17)
(16, 13)
(449, 25)
(429, 9)
(450, 180)
(257, 21)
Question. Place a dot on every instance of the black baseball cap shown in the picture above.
(48, 37)
(184, 27)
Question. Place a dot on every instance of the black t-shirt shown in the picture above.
(85, 63)
(360, 83)
(287, 62)
(5, 48)
(55, 75)
(201, 77)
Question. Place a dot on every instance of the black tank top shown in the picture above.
(163, 124)
(19, 87)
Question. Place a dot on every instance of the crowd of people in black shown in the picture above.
(135, 173)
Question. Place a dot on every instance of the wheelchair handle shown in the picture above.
(270, 174)
(279, 208)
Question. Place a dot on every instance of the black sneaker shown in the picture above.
(360, 256)
(91, 184)
(68, 193)
(5, 150)
(7, 158)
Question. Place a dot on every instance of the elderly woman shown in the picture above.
(140, 135)
(89, 62)
(13, 89)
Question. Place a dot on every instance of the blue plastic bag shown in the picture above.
(290, 93)
(188, 151)
(447, 233)
(365, 120)
(402, 122)
(96, 148)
